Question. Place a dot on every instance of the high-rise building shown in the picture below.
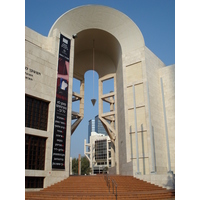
(99, 126)
(91, 128)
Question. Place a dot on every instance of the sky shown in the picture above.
(155, 19)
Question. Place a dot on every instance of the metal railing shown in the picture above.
(114, 187)
(114, 184)
(107, 179)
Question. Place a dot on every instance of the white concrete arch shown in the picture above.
(107, 52)
(104, 18)
(117, 38)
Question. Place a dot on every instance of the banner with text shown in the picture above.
(58, 156)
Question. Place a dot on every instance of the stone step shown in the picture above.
(94, 187)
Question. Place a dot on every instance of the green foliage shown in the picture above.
(85, 166)
(75, 166)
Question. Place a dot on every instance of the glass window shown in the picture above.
(34, 182)
(101, 150)
(36, 113)
(34, 152)
(109, 145)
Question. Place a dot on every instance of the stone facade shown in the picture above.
(121, 54)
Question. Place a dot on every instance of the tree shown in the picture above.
(75, 166)
(85, 166)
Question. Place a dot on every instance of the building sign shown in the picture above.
(58, 156)
(30, 72)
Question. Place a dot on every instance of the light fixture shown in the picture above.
(74, 36)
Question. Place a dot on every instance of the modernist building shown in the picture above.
(99, 152)
(99, 146)
(141, 121)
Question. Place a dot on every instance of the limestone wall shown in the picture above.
(41, 57)
(168, 75)
(139, 69)
(163, 180)
(134, 70)
(153, 66)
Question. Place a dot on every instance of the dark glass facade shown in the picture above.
(34, 152)
(91, 128)
(101, 150)
(36, 113)
(99, 126)
(34, 182)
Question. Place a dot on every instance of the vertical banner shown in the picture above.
(58, 155)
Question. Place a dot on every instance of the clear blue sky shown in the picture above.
(155, 19)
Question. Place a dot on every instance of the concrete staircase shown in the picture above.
(95, 187)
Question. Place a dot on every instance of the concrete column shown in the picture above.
(70, 171)
(166, 129)
(136, 134)
(143, 155)
(151, 136)
(112, 104)
(131, 143)
(107, 153)
(100, 95)
(79, 164)
(112, 154)
(82, 93)
(91, 154)
(113, 126)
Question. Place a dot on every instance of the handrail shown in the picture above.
(114, 184)
(107, 179)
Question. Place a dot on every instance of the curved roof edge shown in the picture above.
(101, 17)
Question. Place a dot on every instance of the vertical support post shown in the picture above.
(113, 126)
(131, 147)
(166, 129)
(82, 93)
(70, 170)
(112, 153)
(107, 154)
(150, 128)
(136, 134)
(91, 154)
(131, 143)
(143, 155)
(79, 164)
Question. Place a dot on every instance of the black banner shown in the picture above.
(58, 156)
